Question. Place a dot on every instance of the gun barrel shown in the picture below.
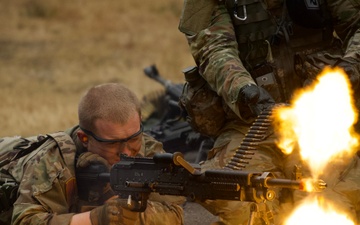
(313, 185)
(309, 185)
(134, 184)
(283, 183)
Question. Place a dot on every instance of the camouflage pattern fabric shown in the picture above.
(161, 213)
(216, 52)
(346, 19)
(152, 103)
(47, 176)
(47, 192)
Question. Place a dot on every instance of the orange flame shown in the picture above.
(317, 212)
(320, 121)
(320, 124)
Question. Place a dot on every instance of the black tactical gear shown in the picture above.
(308, 13)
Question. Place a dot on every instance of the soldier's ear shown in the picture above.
(82, 137)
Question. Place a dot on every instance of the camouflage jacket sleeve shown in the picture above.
(161, 209)
(353, 47)
(346, 18)
(150, 146)
(215, 51)
(47, 189)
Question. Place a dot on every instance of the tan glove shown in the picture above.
(113, 212)
(87, 158)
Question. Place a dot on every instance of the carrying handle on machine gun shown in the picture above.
(177, 159)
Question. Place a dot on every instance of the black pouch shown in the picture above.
(204, 108)
(265, 76)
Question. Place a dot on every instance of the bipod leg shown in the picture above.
(260, 210)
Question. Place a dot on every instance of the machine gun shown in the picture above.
(134, 178)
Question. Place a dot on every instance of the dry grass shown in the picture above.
(51, 51)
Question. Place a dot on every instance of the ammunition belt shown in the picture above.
(257, 132)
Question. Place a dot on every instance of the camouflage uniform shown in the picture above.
(48, 192)
(228, 55)
(226, 58)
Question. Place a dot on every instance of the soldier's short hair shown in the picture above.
(113, 102)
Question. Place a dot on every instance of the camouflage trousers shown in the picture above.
(158, 213)
(264, 159)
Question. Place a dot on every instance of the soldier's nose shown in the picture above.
(126, 151)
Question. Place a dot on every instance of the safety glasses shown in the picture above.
(123, 140)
